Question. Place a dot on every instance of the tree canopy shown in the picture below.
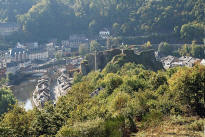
(106, 103)
(6, 100)
(45, 19)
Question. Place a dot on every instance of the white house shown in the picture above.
(16, 55)
(38, 52)
(203, 62)
(40, 55)
(104, 34)
(50, 49)
(65, 43)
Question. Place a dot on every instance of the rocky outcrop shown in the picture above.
(102, 58)
(146, 58)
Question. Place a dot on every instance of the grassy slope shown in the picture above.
(173, 127)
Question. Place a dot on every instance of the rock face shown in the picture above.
(102, 58)
(146, 58)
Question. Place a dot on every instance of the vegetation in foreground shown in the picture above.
(132, 101)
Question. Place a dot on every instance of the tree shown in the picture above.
(190, 32)
(185, 50)
(188, 86)
(17, 122)
(94, 46)
(164, 48)
(83, 49)
(93, 27)
(197, 51)
(116, 29)
(111, 81)
(148, 44)
(6, 100)
(111, 68)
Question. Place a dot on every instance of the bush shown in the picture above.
(93, 128)
(6, 100)
(197, 125)
(111, 81)
(111, 68)
(188, 88)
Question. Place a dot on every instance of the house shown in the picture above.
(16, 55)
(8, 28)
(202, 62)
(171, 61)
(65, 43)
(188, 61)
(167, 61)
(75, 41)
(24, 65)
(104, 34)
(51, 49)
(38, 52)
(70, 67)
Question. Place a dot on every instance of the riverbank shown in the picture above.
(23, 91)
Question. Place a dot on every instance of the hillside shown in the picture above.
(176, 20)
(119, 101)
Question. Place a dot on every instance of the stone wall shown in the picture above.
(146, 58)
(102, 58)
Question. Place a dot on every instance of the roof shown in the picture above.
(105, 30)
(17, 51)
(185, 58)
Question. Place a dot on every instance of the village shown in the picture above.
(64, 58)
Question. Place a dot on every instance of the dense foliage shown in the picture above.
(193, 50)
(126, 97)
(6, 100)
(44, 19)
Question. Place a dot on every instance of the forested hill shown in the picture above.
(44, 19)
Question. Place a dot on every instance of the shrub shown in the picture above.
(197, 125)
(92, 128)
(111, 81)
(188, 88)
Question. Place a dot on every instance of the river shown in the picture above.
(23, 92)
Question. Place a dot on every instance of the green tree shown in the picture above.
(111, 68)
(94, 46)
(190, 32)
(185, 50)
(164, 48)
(188, 85)
(197, 51)
(17, 122)
(111, 81)
(6, 100)
(116, 29)
(83, 49)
